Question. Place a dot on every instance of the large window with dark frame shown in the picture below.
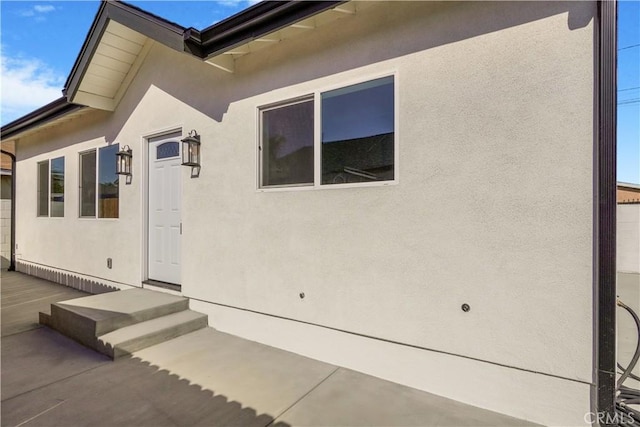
(99, 183)
(356, 143)
(51, 188)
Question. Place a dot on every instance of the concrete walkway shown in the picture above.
(205, 378)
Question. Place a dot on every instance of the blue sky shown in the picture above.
(40, 41)
(629, 91)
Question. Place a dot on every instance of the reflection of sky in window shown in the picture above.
(358, 111)
(289, 128)
(57, 166)
(107, 166)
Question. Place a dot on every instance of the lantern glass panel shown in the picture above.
(195, 153)
(123, 162)
(185, 152)
(190, 151)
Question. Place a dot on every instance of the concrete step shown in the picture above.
(84, 319)
(126, 340)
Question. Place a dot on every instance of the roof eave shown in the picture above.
(49, 112)
(258, 20)
(247, 25)
(152, 26)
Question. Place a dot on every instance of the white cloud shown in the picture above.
(26, 84)
(44, 8)
(235, 3)
(39, 10)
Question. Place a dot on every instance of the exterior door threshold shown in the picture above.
(156, 285)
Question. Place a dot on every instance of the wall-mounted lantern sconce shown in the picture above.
(191, 152)
(123, 162)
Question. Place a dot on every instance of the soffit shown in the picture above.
(112, 67)
(225, 60)
(118, 41)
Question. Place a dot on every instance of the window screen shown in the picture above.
(287, 144)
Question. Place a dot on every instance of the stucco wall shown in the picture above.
(628, 238)
(495, 125)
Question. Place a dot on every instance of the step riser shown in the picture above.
(120, 323)
(126, 348)
(73, 325)
(44, 319)
(109, 325)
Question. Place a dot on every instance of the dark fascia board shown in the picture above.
(49, 112)
(258, 20)
(85, 51)
(152, 26)
(605, 210)
(247, 25)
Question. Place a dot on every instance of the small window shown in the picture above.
(88, 184)
(108, 183)
(99, 183)
(43, 188)
(57, 187)
(287, 145)
(51, 187)
(356, 142)
(168, 149)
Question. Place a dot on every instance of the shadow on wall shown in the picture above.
(379, 33)
(126, 392)
(66, 279)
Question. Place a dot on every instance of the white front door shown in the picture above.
(165, 199)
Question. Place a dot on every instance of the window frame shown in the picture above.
(39, 190)
(96, 214)
(275, 106)
(64, 186)
(316, 96)
(48, 187)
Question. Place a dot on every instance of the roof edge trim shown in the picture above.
(152, 26)
(258, 20)
(51, 111)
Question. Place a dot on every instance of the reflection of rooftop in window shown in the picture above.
(362, 154)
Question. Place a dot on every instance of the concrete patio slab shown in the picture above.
(204, 378)
(23, 297)
(40, 357)
(349, 398)
(265, 378)
(127, 392)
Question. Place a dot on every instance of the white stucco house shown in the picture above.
(421, 191)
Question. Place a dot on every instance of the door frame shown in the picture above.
(144, 193)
